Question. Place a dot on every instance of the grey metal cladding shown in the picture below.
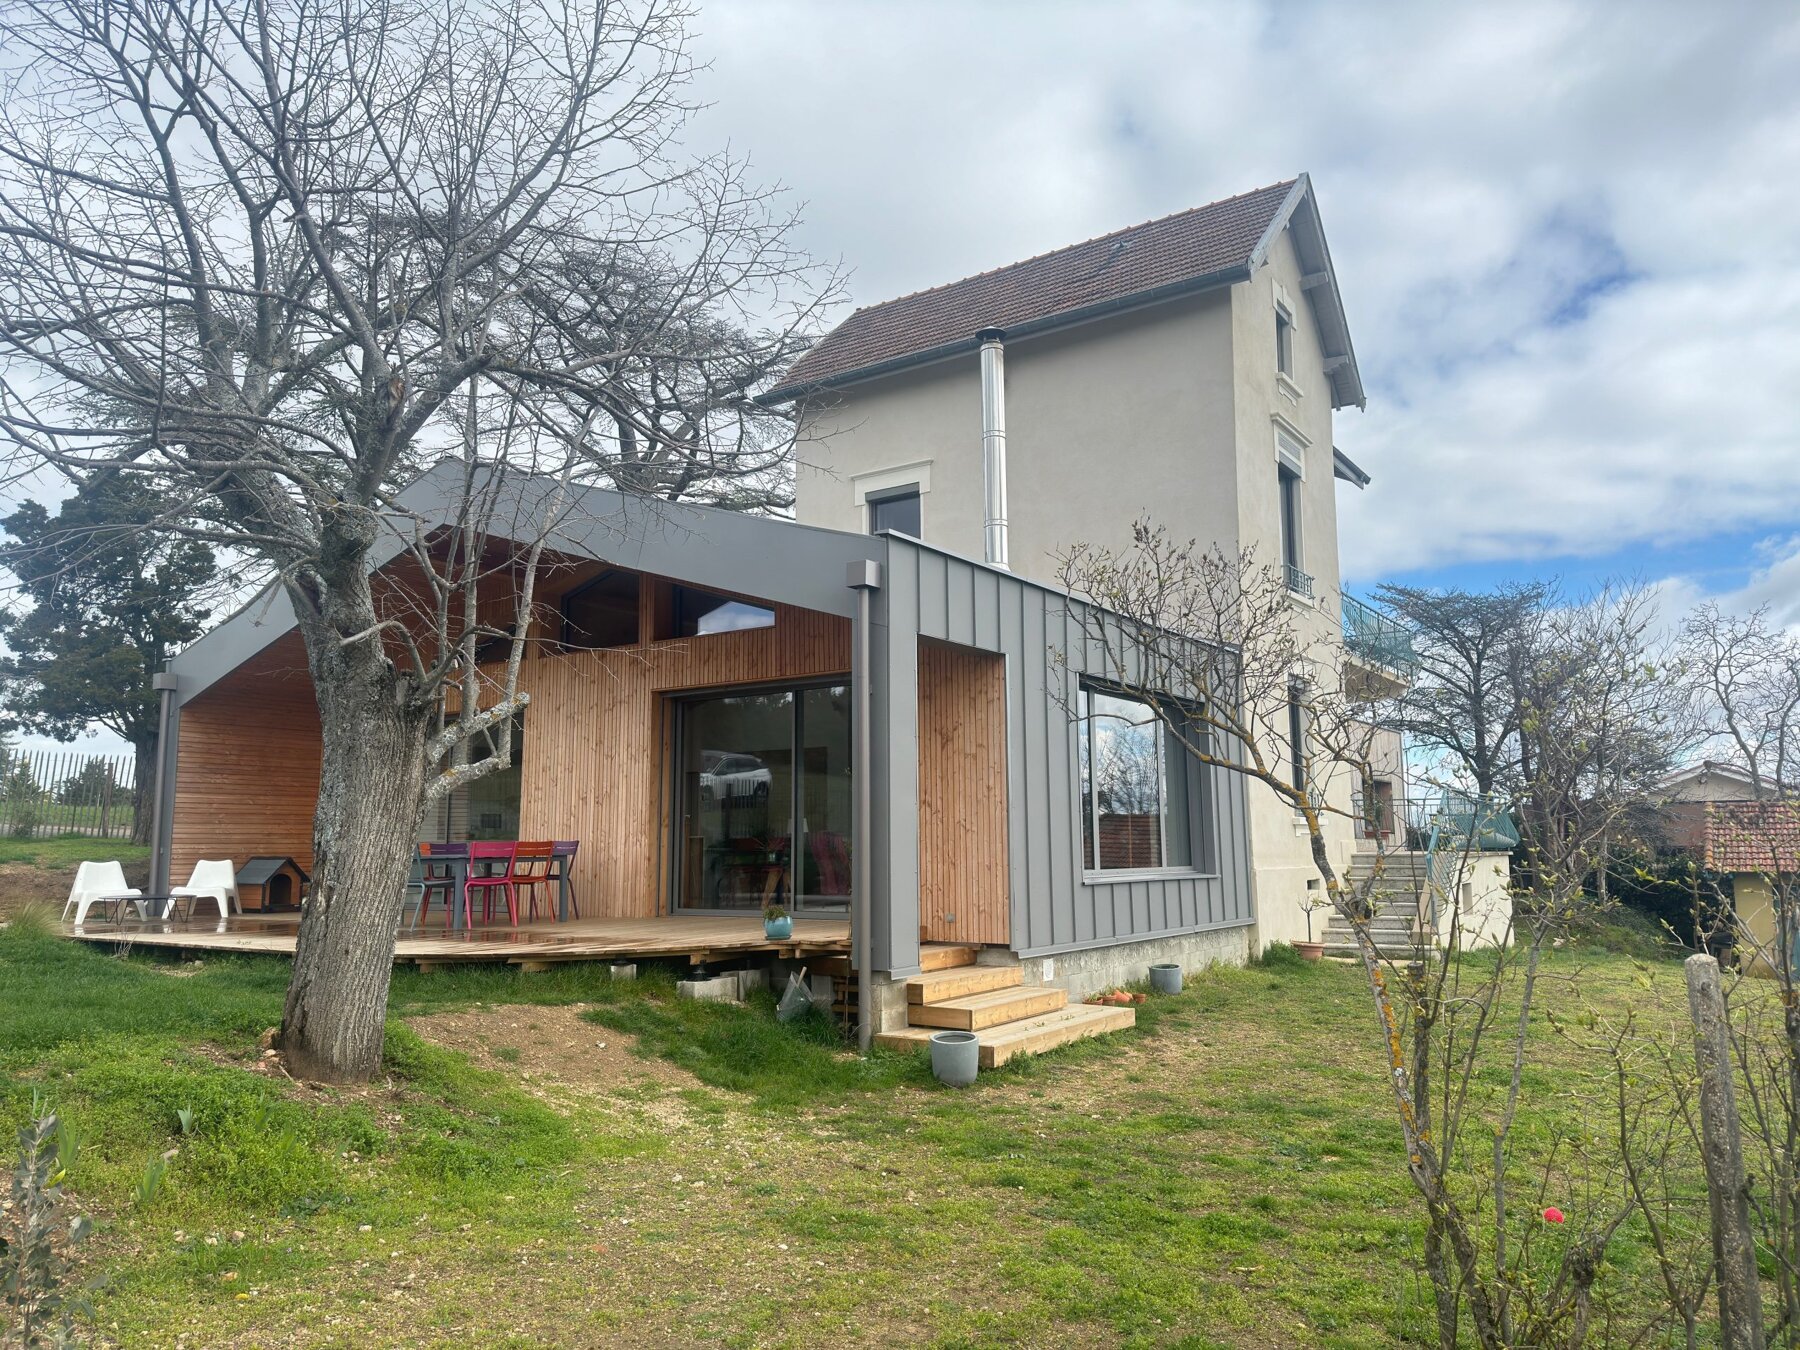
(1055, 906)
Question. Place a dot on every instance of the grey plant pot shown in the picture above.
(955, 1057)
(1165, 978)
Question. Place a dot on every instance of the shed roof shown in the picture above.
(1746, 837)
(1198, 249)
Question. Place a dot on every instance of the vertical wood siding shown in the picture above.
(598, 738)
(248, 765)
(963, 862)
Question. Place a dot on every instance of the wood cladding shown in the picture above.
(247, 774)
(598, 742)
(963, 871)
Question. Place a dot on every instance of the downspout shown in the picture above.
(162, 814)
(863, 577)
(993, 445)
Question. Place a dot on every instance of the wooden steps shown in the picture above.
(973, 1012)
(1007, 1016)
(934, 986)
(998, 1044)
(944, 955)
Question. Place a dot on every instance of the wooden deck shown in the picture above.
(698, 938)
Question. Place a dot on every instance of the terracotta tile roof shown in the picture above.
(1185, 247)
(1753, 836)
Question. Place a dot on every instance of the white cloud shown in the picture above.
(1480, 169)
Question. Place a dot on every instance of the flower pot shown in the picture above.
(779, 930)
(1165, 977)
(955, 1057)
(1312, 951)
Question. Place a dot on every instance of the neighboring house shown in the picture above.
(1754, 849)
(1682, 797)
(1186, 370)
(692, 675)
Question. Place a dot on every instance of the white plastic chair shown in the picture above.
(215, 881)
(100, 883)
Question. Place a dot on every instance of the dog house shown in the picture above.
(270, 883)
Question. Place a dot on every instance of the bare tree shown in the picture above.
(1464, 701)
(277, 256)
(1744, 676)
(1242, 678)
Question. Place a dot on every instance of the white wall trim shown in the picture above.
(878, 481)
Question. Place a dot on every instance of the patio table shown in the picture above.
(456, 857)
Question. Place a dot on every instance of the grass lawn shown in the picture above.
(558, 1159)
(70, 851)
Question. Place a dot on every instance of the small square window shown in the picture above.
(900, 512)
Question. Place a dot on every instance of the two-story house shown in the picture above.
(1186, 370)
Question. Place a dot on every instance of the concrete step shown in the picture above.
(946, 955)
(1393, 951)
(934, 986)
(974, 1012)
(1030, 1036)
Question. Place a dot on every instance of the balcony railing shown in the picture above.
(1376, 637)
(1300, 583)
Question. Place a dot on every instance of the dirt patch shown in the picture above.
(23, 884)
(550, 1046)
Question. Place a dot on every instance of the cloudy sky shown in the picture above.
(1566, 233)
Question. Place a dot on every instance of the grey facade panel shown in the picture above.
(1055, 905)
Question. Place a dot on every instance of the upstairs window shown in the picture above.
(899, 511)
(1284, 341)
(697, 613)
(602, 612)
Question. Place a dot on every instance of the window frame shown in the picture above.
(1284, 341)
(1198, 781)
(904, 492)
(678, 590)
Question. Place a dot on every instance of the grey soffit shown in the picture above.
(1191, 251)
(771, 559)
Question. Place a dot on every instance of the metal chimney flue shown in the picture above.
(993, 444)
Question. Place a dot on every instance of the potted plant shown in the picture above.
(1309, 949)
(778, 924)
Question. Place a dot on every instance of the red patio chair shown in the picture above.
(531, 873)
(492, 853)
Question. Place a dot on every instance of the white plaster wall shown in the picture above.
(1485, 904)
(1106, 422)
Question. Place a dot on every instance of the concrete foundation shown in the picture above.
(719, 989)
(1096, 968)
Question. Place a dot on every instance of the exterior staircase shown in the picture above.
(1395, 926)
(1008, 1017)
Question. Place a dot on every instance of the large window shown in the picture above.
(1142, 792)
(764, 800)
(602, 612)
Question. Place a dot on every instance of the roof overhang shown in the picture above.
(1318, 279)
(1067, 318)
(1347, 469)
(761, 556)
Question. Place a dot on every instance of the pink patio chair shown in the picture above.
(493, 853)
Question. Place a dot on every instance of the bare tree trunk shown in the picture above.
(371, 784)
(142, 781)
(1734, 1251)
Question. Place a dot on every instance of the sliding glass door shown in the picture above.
(763, 800)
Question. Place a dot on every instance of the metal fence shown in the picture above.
(50, 792)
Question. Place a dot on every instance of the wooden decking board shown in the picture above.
(944, 955)
(1030, 1036)
(717, 938)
